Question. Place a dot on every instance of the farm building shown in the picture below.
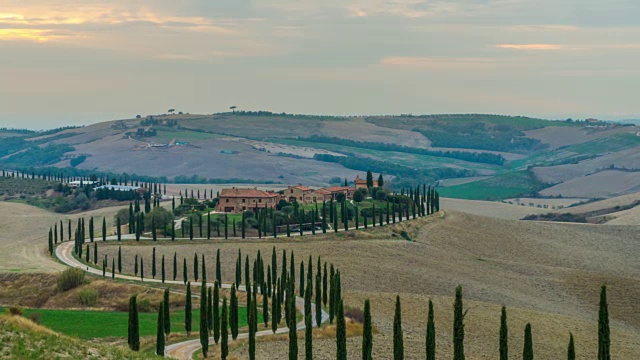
(301, 194)
(362, 183)
(235, 200)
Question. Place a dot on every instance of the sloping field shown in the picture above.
(492, 209)
(626, 217)
(546, 273)
(599, 185)
(562, 136)
(360, 130)
(611, 203)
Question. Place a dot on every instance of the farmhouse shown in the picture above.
(362, 183)
(333, 191)
(301, 194)
(236, 200)
(78, 183)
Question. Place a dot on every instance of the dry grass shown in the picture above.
(547, 274)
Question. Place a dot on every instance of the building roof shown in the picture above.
(335, 189)
(246, 193)
(303, 188)
(323, 192)
(119, 187)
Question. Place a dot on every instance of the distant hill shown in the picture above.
(503, 156)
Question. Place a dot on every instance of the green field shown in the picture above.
(88, 324)
(504, 186)
(604, 145)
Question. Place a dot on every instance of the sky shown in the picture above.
(78, 62)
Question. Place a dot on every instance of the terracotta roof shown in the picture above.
(246, 193)
(323, 192)
(303, 188)
(334, 189)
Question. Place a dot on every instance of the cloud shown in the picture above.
(30, 35)
(544, 47)
(438, 62)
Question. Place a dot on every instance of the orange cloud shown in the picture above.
(531, 46)
(28, 34)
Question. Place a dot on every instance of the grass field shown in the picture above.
(503, 186)
(87, 324)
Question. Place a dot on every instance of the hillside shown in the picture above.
(502, 156)
(23, 339)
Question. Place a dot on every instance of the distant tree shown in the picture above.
(167, 308)
(359, 195)
(318, 299)
(398, 342)
(204, 331)
(184, 270)
(233, 312)
(153, 263)
(160, 332)
(527, 352)
(571, 350)
(175, 265)
(187, 311)
(369, 179)
(367, 333)
(218, 269)
(341, 333)
(308, 337)
(216, 312)
(604, 341)
(224, 342)
(134, 327)
(380, 181)
(119, 258)
(431, 334)
(504, 335)
(458, 326)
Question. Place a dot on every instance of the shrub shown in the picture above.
(14, 311)
(70, 279)
(35, 317)
(405, 235)
(144, 305)
(354, 314)
(88, 297)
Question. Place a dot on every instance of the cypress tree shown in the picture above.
(308, 337)
(302, 279)
(252, 320)
(527, 352)
(274, 311)
(141, 269)
(187, 311)
(504, 335)
(204, 272)
(104, 229)
(204, 331)
(604, 341)
(233, 312)
(117, 228)
(133, 327)
(216, 312)
(191, 230)
(163, 273)
(210, 309)
(51, 244)
(318, 300)
(86, 253)
(135, 269)
(153, 263)
(293, 338)
(224, 332)
(104, 266)
(119, 259)
(160, 332)
(398, 342)
(367, 333)
(239, 268)
(218, 268)
(167, 308)
(571, 350)
(173, 230)
(184, 270)
(235, 234)
(324, 285)
(458, 326)
(265, 308)
(175, 265)
(341, 334)
(431, 334)
(95, 256)
(113, 268)
(195, 267)
(247, 279)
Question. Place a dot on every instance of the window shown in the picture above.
(244, 200)
(292, 191)
(259, 200)
(227, 200)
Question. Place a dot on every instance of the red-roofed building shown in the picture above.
(236, 200)
(335, 190)
(301, 194)
(362, 183)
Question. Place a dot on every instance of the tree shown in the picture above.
(162, 271)
(369, 179)
(301, 278)
(187, 311)
(604, 341)
(153, 263)
(252, 316)
(104, 229)
(175, 265)
(195, 266)
(204, 330)
(167, 316)
(318, 300)
(216, 312)
(431, 334)
(380, 181)
(184, 270)
(134, 327)
(218, 268)
(527, 352)
(324, 285)
(308, 337)
(119, 258)
(367, 333)
(210, 309)
(341, 333)
(291, 322)
(224, 340)
(233, 311)
(571, 350)
(160, 332)
(398, 342)
(458, 326)
(504, 335)
(117, 229)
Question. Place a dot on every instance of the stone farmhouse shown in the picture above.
(236, 200)
(362, 183)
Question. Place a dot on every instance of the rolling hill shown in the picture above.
(502, 156)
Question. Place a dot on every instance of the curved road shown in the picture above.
(185, 349)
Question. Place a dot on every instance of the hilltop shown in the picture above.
(473, 156)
